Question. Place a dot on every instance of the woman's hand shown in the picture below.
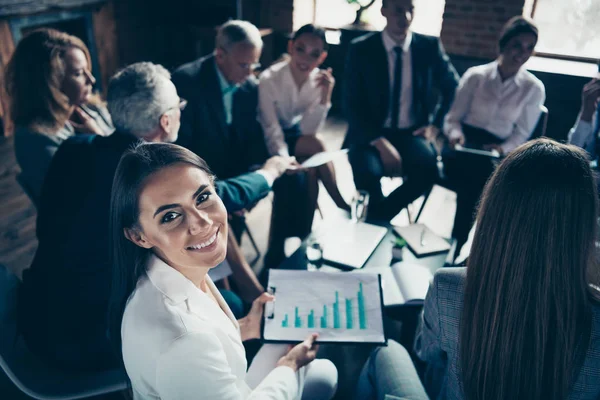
(250, 324)
(326, 82)
(301, 354)
(83, 123)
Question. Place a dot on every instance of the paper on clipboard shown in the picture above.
(323, 158)
(341, 307)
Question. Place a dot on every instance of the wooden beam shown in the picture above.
(7, 48)
(105, 35)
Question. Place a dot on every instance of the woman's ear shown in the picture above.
(290, 46)
(136, 237)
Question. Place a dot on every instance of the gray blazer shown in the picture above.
(437, 339)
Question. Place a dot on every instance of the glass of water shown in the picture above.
(359, 206)
(314, 254)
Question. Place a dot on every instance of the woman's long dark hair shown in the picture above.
(127, 259)
(526, 318)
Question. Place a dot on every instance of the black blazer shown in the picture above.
(230, 151)
(65, 292)
(367, 85)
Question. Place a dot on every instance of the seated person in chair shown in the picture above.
(49, 84)
(389, 78)
(496, 107)
(178, 337)
(522, 320)
(294, 98)
(221, 126)
(64, 297)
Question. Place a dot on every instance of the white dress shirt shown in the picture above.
(509, 110)
(282, 105)
(179, 344)
(582, 135)
(406, 117)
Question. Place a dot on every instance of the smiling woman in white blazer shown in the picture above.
(179, 340)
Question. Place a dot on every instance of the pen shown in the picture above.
(422, 242)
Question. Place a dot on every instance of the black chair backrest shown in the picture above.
(540, 127)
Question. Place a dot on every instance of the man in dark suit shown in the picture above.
(65, 293)
(220, 125)
(392, 81)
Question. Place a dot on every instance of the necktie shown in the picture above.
(397, 86)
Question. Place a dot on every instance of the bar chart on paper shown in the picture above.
(340, 307)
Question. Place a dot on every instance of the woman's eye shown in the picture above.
(169, 217)
(202, 198)
(299, 49)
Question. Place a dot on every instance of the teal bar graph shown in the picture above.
(284, 323)
(349, 323)
(297, 320)
(336, 312)
(324, 318)
(362, 313)
(336, 316)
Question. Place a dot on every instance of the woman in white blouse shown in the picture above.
(294, 99)
(179, 339)
(496, 107)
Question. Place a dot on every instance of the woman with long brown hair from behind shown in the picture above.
(522, 320)
(49, 85)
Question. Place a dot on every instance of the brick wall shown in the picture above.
(471, 27)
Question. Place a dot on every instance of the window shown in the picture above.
(568, 28)
(338, 13)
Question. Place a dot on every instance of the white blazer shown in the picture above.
(178, 344)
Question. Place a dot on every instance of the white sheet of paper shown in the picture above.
(323, 158)
(492, 153)
(341, 307)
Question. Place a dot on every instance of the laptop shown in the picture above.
(349, 244)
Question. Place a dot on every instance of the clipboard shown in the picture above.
(278, 320)
(422, 241)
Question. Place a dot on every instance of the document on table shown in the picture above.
(323, 158)
(340, 307)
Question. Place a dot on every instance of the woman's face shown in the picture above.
(182, 219)
(518, 50)
(78, 81)
(307, 53)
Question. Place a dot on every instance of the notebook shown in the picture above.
(402, 283)
(421, 240)
(350, 244)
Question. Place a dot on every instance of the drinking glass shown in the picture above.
(359, 206)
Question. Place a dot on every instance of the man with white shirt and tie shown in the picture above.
(389, 80)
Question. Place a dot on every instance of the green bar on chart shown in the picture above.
(324, 318)
(311, 319)
(285, 323)
(362, 313)
(349, 324)
(336, 312)
(297, 320)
